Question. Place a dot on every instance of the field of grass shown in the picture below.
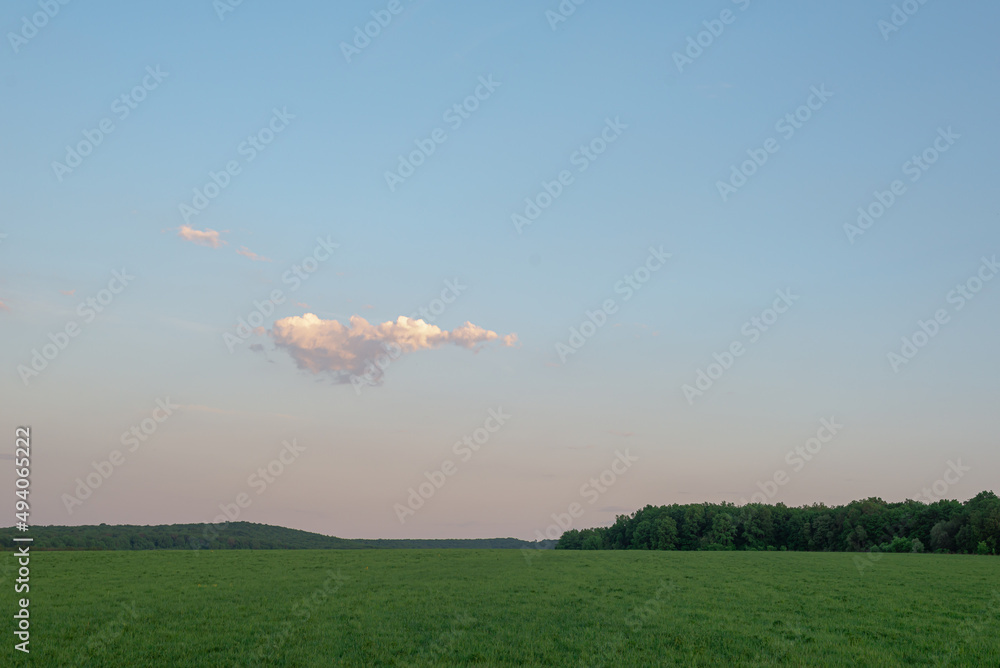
(491, 607)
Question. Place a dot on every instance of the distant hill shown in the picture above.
(232, 536)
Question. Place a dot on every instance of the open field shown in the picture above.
(491, 607)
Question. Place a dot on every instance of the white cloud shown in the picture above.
(319, 345)
(201, 237)
(246, 252)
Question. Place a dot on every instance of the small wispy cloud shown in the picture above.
(246, 252)
(319, 345)
(4, 307)
(207, 237)
(68, 293)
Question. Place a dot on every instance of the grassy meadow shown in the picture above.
(491, 607)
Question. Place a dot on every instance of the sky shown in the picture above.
(461, 270)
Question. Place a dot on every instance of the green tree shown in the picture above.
(642, 538)
(694, 517)
(723, 531)
(751, 526)
(665, 533)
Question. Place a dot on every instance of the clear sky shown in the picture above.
(217, 159)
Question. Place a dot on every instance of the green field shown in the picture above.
(491, 607)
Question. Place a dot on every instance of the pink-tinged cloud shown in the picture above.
(68, 293)
(246, 252)
(328, 346)
(201, 237)
(4, 307)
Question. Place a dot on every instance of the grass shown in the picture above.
(491, 607)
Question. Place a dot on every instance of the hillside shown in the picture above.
(233, 536)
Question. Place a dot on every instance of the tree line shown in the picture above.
(230, 536)
(944, 527)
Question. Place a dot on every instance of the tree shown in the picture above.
(824, 533)
(752, 528)
(592, 541)
(570, 540)
(942, 535)
(665, 533)
(900, 544)
(859, 539)
(723, 531)
(642, 539)
(691, 529)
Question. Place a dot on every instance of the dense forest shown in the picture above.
(943, 527)
(232, 536)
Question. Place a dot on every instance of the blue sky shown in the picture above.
(655, 185)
